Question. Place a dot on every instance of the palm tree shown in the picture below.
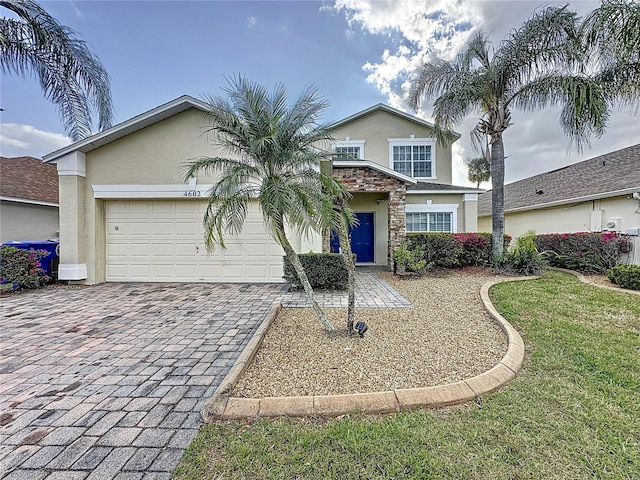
(479, 170)
(69, 74)
(274, 160)
(534, 67)
(611, 36)
(337, 216)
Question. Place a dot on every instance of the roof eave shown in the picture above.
(375, 166)
(132, 125)
(556, 203)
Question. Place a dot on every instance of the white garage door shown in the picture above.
(162, 241)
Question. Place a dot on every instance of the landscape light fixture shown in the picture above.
(361, 327)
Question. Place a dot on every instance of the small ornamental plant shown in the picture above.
(626, 276)
(22, 268)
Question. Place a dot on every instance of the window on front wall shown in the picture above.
(414, 157)
(346, 153)
(429, 222)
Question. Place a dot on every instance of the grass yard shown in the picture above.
(573, 412)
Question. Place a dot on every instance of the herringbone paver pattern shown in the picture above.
(109, 380)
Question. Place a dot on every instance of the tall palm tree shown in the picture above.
(479, 170)
(611, 36)
(535, 66)
(273, 160)
(69, 74)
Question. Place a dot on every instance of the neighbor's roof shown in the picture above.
(611, 174)
(388, 109)
(28, 179)
(132, 125)
(441, 188)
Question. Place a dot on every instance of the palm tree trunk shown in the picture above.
(497, 197)
(292, 256)
(347, 255)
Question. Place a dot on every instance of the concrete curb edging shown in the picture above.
(584, 279)
(221, 406)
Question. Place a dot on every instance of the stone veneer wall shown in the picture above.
(365, 179)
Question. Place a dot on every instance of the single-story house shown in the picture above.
(596, 195)
(126, 214)
(28, 199)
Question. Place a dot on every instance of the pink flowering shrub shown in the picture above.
(452, 250)
(583, 251)
(22, 268)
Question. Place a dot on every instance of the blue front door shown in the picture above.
(362, 239)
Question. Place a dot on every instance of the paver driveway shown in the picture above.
(108, 381)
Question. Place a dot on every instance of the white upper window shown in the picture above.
(349, 149)
(415, 157)
(432, 218)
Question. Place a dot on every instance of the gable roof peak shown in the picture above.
(388, 109)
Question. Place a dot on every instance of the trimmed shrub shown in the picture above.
(476, 248)
(585, 252)
(524, 259)
(451, 250)
(324, 270)
(627, 276)
(412, 259)
(438, 249)
(22, 268)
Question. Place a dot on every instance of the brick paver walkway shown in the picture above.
(371, 292)
(108, 381)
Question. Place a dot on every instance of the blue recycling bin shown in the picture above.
(49, 262)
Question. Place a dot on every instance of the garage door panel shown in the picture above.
(163, 240)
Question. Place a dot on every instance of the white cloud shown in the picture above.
(422, 31)
(25, 140)
(252, 22)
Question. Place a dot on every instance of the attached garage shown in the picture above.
(158, 240)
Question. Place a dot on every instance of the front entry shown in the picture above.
(362, 238)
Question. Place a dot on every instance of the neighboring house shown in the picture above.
(596, 195)
(28, 199)
(128, 216)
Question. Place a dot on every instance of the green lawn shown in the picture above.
(573, 412)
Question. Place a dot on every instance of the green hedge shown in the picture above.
(627, 276)
(324, 270)
(583, 251)
(451, 250)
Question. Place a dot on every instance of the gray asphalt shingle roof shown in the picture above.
(612, 172)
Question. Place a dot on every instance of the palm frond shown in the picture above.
(69, 74)
(583, 99)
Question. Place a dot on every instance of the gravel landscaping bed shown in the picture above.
(445, 337)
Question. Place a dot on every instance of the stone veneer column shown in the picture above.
(397, 220)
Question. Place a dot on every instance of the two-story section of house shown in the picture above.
(400, 179)
(126, 214)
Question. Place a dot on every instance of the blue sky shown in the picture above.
(357, 52)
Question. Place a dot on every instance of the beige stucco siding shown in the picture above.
(23, 221)
(579, 217)
(376, 127)
(152, 155)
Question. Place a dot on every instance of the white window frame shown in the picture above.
(412, 141)
(350, 143)
(429, 207)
